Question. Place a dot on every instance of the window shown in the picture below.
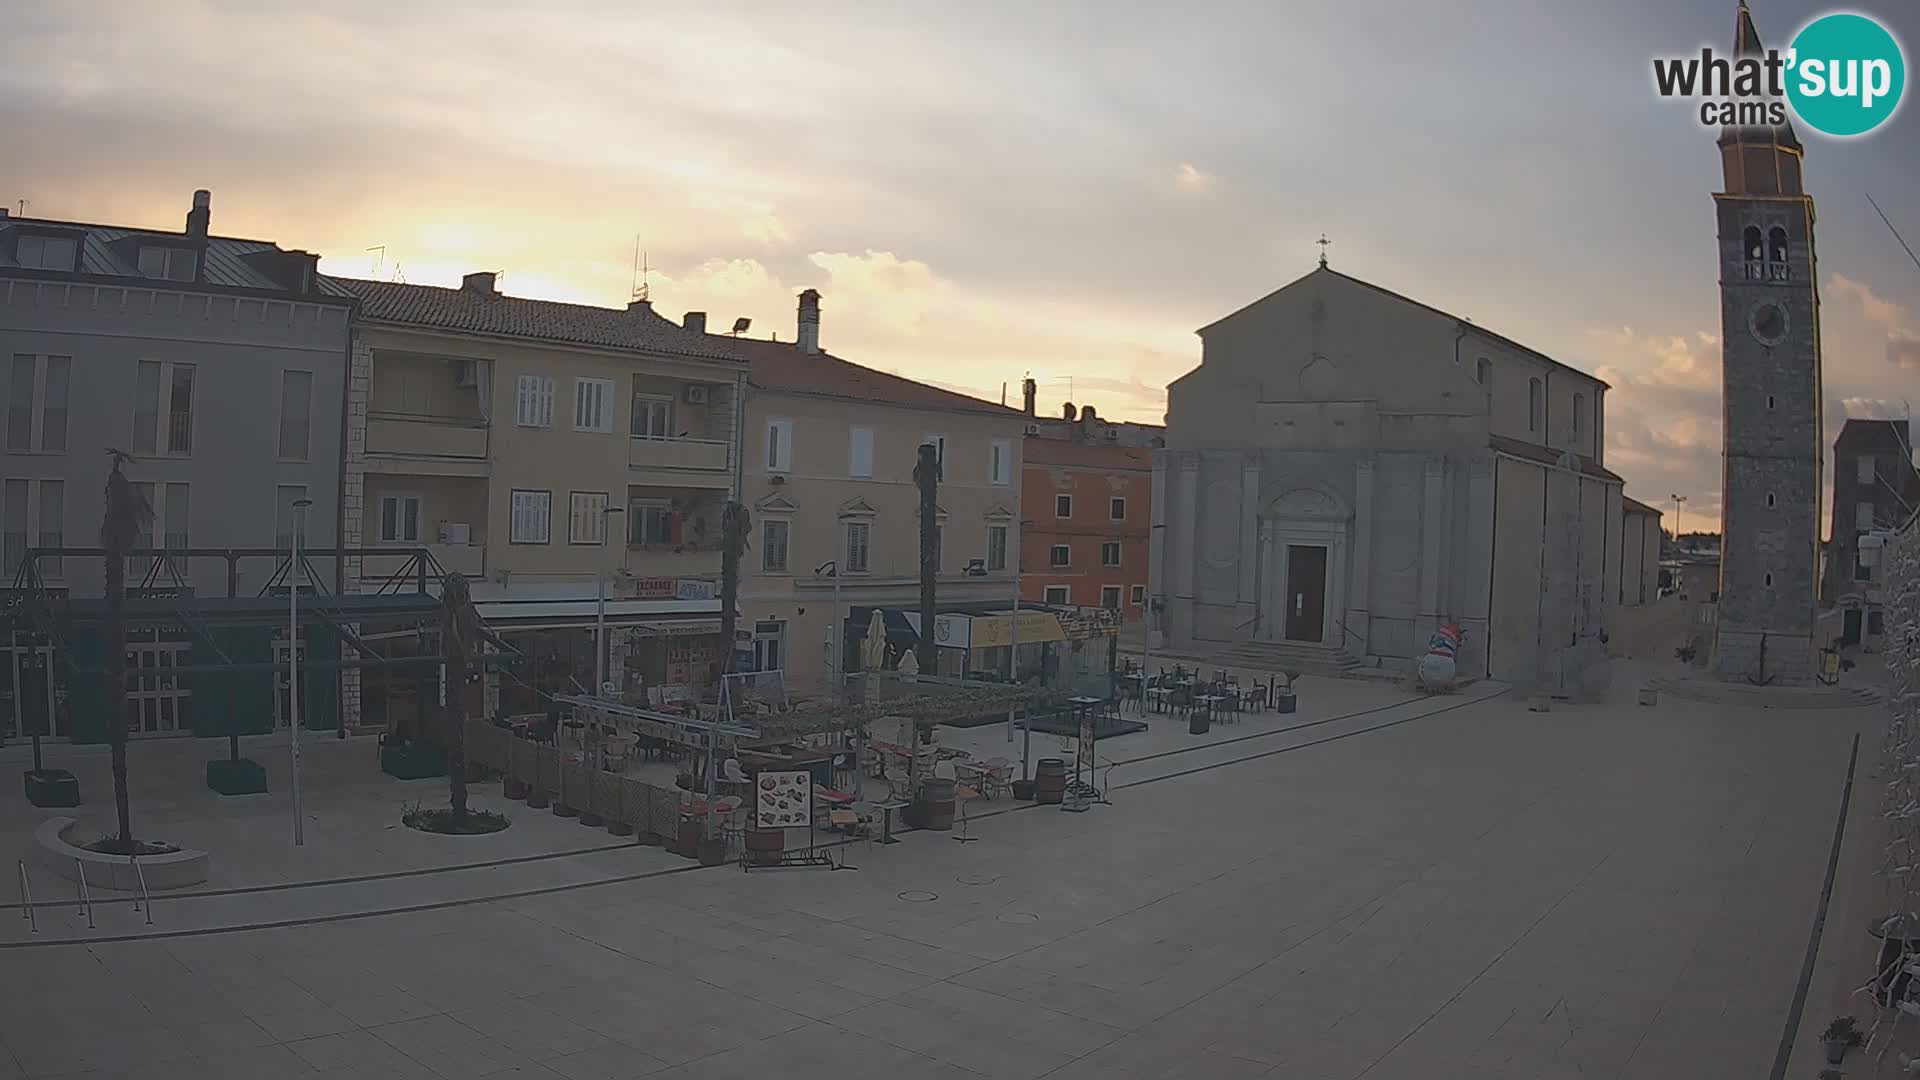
(285, 514)
(296, 419)
(652, 416)
(1862, 570)
(32, 511)
(1579, 406)
(1769, 500)
(37, 403)
(163, 389)
(399, 518)
(1865, 470)
(1110, 597)
(50, 525)
(996, 548)
(1750, 238)
(1876, 621)
(1059, 594)
(13, 526)
(1063, 506)
(773, 546)
(175, 516)
(1769, 578)
(45, 253)
(593, 405)
(1769, 402)
(530, 513)
(533, 402)
(1533, 404)
(649, 521)
(779, 446)
(1060, 555)
(1138, 595)
(860, 452)
(1483, 373)
(857, 535)
(171, 264)
(1110, 553)
(1000, 463)
(1777, 244)
(587, 517)
(1862, 515)
(1117, 509)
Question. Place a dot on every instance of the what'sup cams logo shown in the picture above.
(1843, 75)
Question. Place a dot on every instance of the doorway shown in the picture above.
(27, 697)
(1306, 592)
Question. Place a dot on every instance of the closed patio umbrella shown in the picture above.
(873, 650)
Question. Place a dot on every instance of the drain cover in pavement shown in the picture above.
(977, 879)
(1019, 917)
(919, 896)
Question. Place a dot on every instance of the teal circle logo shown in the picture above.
(1845, 74)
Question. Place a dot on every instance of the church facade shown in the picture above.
(1348, 470)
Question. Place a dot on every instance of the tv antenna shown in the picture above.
(639, 287)
(380, 259)
(24, 203)
(1894, 231)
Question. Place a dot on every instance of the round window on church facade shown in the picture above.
(1768, 321)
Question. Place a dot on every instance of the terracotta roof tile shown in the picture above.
(432, 307)
(780, 367)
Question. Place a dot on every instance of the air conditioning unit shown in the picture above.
(456, 533)
(1033, 429)
(696, 394)
(466, 373)
(1113, 434)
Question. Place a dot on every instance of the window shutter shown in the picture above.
(546, 402)
(860, 452)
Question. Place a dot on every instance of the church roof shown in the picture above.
(1746, 42)
(1635, 506)
(1463, 324)
(1542, 455)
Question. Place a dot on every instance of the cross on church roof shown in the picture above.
(1324, 244)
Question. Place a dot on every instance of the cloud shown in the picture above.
(1901, 326)
(1191, 178)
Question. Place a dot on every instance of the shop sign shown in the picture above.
(651, 588)
(994, 631)
(695, 589)
(1082, 623)
(950, 631)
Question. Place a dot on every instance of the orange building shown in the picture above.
(1088, 516)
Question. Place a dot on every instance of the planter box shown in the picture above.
(55, 850)
(413, 762)
(591, 820)
(619, 828)
(536, 800)
(1285, 702)
(561, 809)
(513, 789)
(242, 777)
(51, 787)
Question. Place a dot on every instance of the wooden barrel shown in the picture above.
(692, 831)
(1050, 781)
(765, 846)
(937, 795)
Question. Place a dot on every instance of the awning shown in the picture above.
(996, 631)
(661, 615)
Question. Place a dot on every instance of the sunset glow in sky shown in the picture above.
(983, 191)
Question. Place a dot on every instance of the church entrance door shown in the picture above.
(1306, 592)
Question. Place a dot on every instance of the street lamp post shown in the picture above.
(293, 664)
(1677, 501)
(600, 605)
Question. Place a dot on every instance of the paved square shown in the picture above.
(1477, 891)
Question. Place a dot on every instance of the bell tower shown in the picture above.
(1771, 404)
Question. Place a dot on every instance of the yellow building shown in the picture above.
(533, 447)
(827, 477)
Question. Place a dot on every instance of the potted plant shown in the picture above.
(1842, 1034)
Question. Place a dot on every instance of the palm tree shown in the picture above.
(127, 519)
(461, 633)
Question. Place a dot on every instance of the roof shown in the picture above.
(1464, 324)
(781, 367)
(112, 251)
(1634, 506)
(1859, 433)
(1039, 450)
(1545, 456)
(479, 311)
(1746, 42)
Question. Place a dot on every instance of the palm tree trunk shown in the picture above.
(456, 612)
(126, 515)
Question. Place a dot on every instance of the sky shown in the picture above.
(990, 190)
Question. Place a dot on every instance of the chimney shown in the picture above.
(198, 217)
(1029, 391)
(3, 213)
(1087, 415)
(695, 321)
(1066, 411)
(809, 330)
(480, 281)
(303, 270)
(642, 304)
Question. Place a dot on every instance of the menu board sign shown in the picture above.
(782, 800)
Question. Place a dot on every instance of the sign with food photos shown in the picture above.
(782, 800)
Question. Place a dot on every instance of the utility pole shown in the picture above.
(127, 515)
(926, 476)
(600, 604)
(457, 630)
(293, 665)
(1677, 501)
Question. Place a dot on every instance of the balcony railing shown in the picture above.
(426, 436)
(693, 455)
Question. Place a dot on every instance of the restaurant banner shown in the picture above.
(950, 631)
(995, 631)
(1088, 622)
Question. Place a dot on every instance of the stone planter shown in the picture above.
(513, 789)
(1284, 701)
(536, 799)
(1023, 790)
(591, 820)
(51, 787)
(54, 849)
(242, 777)
(561, 809)
(413, 762)
(620, 828)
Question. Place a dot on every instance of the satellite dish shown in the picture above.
(740, 324)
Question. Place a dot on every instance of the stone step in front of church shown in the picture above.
(1273, 656)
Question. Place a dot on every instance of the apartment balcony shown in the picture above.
(701, 463)
(442, 445)
(468, 560)
(666, 561)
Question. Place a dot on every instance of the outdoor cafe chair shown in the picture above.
(619, 748)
